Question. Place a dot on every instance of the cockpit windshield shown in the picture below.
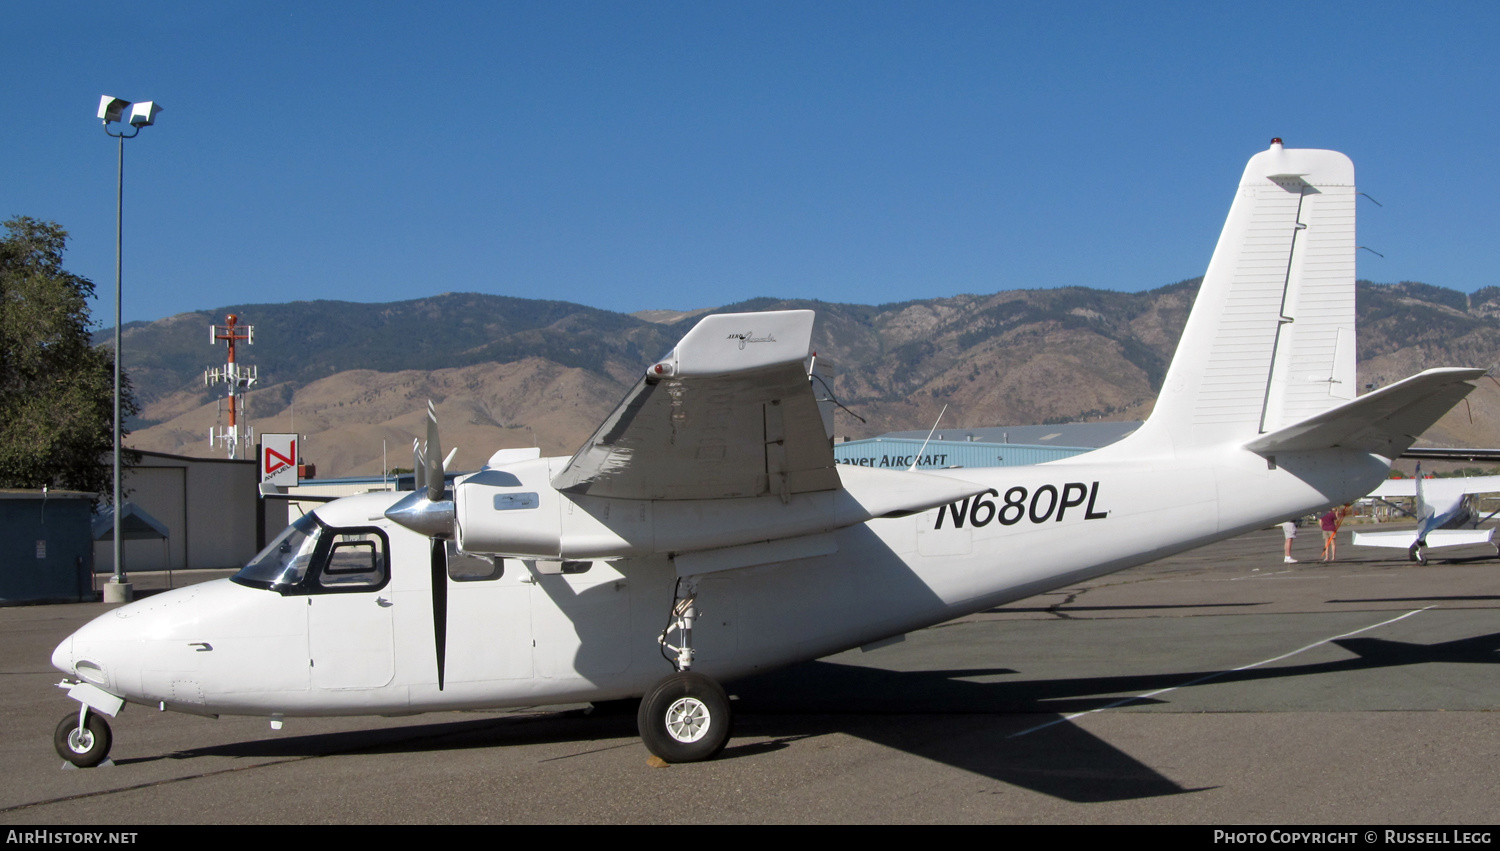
(283, 563)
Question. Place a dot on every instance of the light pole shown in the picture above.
(143, 114)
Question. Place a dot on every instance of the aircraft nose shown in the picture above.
(114, 650)
(62, 657)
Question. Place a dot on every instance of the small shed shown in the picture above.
(46, 548)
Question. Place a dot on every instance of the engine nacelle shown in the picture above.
(516, 512)
(509, 512)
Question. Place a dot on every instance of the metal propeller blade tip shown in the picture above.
(434, 455)
(418, 466)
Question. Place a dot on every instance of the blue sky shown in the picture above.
(634, 155)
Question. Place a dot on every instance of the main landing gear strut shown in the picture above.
(685, 717)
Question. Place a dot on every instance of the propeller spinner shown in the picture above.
(426, 510)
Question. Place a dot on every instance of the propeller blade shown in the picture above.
(440, 606)
(418, 466)
(434, 456)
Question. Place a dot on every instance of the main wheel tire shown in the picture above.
(85, 747)
(685, 718)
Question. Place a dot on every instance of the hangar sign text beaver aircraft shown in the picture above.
(709, 500)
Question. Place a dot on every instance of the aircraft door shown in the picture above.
(580, 615)
(489, 619)
(350, 636)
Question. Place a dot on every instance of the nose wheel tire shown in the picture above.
(85, 746)
(685, 718)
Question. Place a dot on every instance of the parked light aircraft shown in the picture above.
(1447, 514)
(709, 500)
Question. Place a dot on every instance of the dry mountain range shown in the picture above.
(507, 372)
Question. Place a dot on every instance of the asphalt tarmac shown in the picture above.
(1217, 687)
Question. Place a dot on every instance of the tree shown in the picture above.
(56, 387)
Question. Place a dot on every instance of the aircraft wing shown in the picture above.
(730, 412)
(1449, 486)
(1476, 484)
(1395, 487)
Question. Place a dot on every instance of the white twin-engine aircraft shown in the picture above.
(709, 501)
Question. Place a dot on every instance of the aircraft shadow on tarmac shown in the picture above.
(944, 716)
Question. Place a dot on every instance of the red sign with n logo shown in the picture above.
(278, 459)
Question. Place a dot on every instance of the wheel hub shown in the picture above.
(81, 740)
(688, 720)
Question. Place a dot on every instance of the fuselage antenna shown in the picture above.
(918, 457)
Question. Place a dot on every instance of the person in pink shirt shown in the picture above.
(1330, 523)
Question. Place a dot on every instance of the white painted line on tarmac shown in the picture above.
(1216, 674)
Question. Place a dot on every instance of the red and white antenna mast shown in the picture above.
(239, 378)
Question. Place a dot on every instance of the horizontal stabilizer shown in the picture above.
(1436, 538)
(1385, 422)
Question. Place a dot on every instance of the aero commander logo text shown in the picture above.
(1046, 504)
(749, 337)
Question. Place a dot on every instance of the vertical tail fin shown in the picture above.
(1270, 340)
(1424, 510)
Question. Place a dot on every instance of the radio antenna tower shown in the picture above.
(239, 379)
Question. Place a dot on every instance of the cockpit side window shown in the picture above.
(356, 560)
(283, 563)
(310, 557)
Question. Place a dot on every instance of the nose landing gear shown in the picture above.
(83, 739)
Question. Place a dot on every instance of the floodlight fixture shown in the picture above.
(111, 108)
(143, 114)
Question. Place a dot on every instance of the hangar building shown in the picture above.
(1000, 446)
